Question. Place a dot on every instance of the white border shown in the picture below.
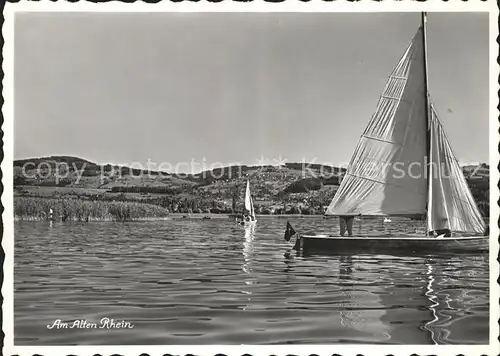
(256, 6)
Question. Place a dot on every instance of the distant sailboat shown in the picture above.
(249, 217)
(404, 166)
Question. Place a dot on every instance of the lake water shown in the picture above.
(213, 282)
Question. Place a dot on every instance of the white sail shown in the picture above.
(248, 200)
(386, 173)
(451, 205)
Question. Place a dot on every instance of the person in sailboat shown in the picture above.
(346, 222)
(247, 217)
(444, 232)
(441, 232)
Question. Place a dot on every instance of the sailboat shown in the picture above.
(404, 166)
(249, 217)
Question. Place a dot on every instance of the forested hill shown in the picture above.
(299, 186)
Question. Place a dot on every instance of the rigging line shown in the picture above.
(390, 97)
(398, 77)
(381, 140)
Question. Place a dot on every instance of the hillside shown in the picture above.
(276, 189)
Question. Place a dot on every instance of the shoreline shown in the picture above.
(38, 219)
(173, 216)
(180, 216)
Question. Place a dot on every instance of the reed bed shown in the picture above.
(35, 208)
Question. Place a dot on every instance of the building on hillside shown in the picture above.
(479, 171)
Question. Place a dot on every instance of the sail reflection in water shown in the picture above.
(352, 315)
(248, 251)
(432, 300)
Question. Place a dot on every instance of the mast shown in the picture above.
(427, 115)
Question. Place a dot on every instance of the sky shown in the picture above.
(222, 88)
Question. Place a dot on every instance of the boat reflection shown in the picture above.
(360, 308)
(345, 268)
(353, 314)
(375, 308)
(248, 251)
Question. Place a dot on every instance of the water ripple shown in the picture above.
(211, 282)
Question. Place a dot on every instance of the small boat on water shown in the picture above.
(249, 217)
(51, 217)
(404, 166)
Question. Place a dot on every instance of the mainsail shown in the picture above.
(248, 200)
(386, 173)
(451, 205)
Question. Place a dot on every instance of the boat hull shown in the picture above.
(393, 244)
